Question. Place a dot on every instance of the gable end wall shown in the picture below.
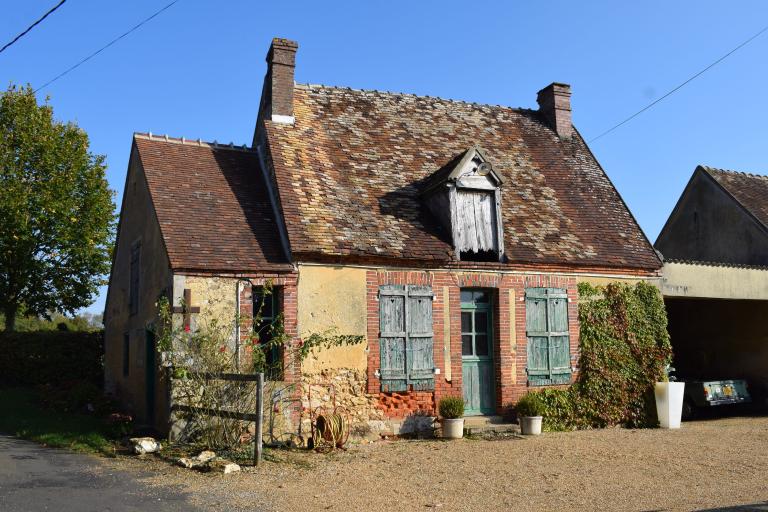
(709, 225)
(137, 223)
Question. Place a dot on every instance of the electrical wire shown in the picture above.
(118, 38)
(32, 26)
(675, 89)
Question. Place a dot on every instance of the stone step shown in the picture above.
(484, 424)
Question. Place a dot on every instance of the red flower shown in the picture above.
(186, 328)
(222, 349)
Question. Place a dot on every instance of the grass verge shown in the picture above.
(23, 417)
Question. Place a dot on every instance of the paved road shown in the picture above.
(34, 479)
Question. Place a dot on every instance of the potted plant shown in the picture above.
(529, 413)
(451, 410)
(669, 399)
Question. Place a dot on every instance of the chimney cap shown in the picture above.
(557, 88)
(284, 43)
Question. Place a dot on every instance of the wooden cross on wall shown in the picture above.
(187, 308)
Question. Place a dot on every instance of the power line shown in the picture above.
(674, 90)
(89, 57)
(32, 26)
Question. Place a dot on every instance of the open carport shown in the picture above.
(718, 321)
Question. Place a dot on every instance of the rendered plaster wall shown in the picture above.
(138, 224)
(714, 282)
(604, 280)
(215, 296)
(332, 300)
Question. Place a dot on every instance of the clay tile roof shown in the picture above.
(350, 170)
(212, 206)
(750, 190)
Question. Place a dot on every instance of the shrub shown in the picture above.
(451, 407)
(530, 405)
(50, 357)
(118, 425)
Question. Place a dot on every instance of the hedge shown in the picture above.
(50, 357)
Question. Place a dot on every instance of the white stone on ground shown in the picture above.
(142, 445)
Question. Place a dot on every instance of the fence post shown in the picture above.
(257, 441)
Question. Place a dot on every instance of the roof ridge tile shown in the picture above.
(410, 94)
(190, 142)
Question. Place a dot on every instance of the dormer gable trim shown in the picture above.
(457, 173)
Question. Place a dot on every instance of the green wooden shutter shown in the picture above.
(392, 338)
(419, 354)
(546, 313)
(559, 339)
(406, 338)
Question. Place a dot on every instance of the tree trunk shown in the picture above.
(10, 317)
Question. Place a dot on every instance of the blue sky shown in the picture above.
(196, 71)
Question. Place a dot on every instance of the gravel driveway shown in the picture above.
(707, 465)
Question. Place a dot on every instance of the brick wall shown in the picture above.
(291, 405)
(510, 342)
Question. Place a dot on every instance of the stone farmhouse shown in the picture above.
(451, 236)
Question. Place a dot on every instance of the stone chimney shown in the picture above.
(277, 96)
(555, 105)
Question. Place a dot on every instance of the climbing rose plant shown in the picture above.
(193, 356)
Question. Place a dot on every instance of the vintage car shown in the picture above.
(711, 393)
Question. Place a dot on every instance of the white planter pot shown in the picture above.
(530, 425)
(669, 403)
(453, 429)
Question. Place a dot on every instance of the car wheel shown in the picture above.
(689, 410)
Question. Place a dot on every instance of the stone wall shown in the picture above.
(342, 387)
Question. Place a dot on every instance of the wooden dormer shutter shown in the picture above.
(406, 338)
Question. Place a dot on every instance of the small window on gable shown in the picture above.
(466, 197)
(126, 354)
(133, 291)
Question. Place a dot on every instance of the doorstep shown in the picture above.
(482, 424)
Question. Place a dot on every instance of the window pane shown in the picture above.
(481, 297)
(481, 321)
(466, 345)
(466, 296)
(466, 321)
(481, 345)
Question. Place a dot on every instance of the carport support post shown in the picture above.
(257, 441)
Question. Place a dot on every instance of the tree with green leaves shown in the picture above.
(57, 214)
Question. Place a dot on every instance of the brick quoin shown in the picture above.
(288, 289)
(510, 386)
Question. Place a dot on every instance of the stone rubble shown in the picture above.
(144, 445)
(209, 461)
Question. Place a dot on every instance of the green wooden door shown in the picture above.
(477, 366)
(150, 376)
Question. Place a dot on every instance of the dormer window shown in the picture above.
(466, 197)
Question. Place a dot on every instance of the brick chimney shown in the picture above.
(277, 96)
(555, 105)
